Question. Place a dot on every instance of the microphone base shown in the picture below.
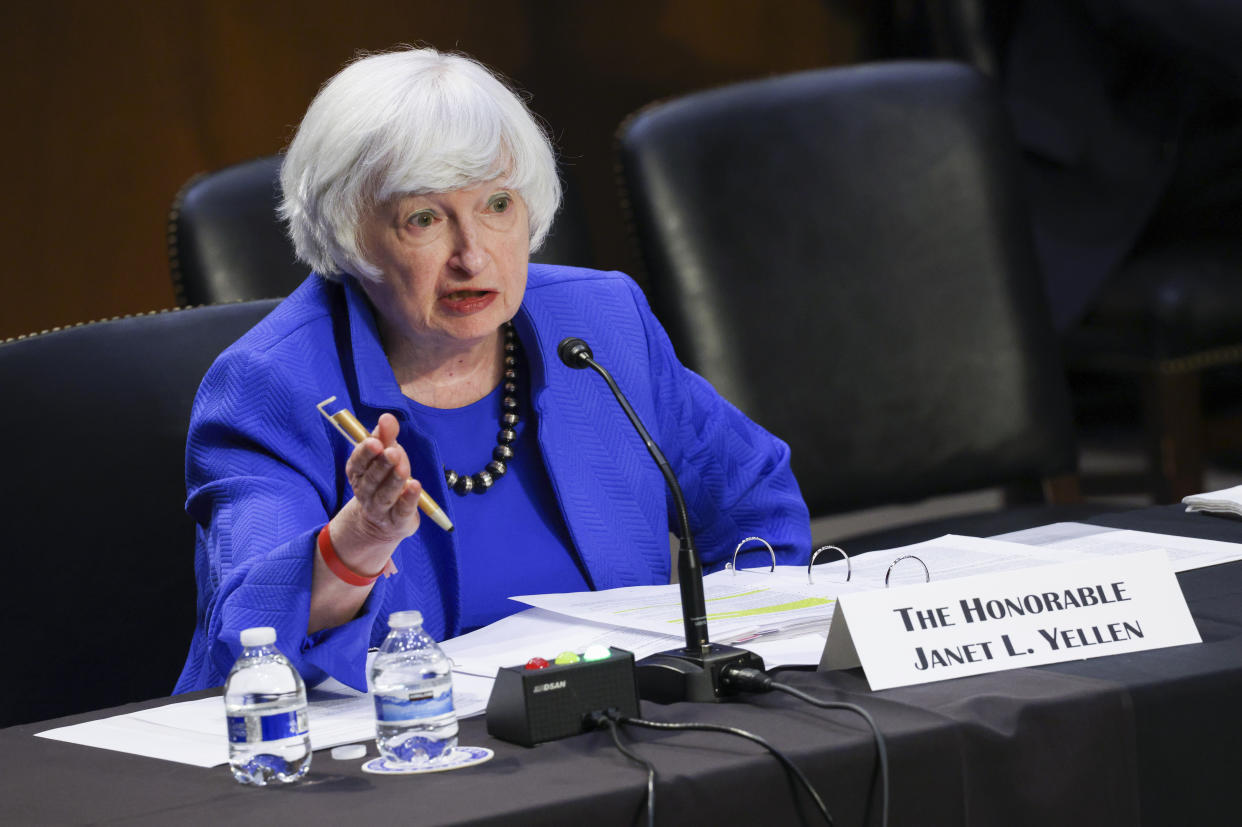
(690, 674)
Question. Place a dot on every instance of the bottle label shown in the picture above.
(413, 706)
(253, 729)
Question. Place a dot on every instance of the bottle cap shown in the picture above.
(258, 636)
(349, 752)
(404, 620)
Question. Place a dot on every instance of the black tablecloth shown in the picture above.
(1147, 737)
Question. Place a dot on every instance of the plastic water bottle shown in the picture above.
(412, 683)
(265, 701)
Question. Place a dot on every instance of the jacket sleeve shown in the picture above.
(261, 478)
(736, 476)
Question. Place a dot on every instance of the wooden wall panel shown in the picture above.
(112, 106)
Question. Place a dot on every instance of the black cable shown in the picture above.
(745, 679)
(740, 733)
(651, 773)
(880, 748)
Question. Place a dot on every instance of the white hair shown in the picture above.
(408, 122)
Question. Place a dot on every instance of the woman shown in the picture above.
(416, 187)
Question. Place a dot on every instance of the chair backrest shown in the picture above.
(843, 254)
(227, 243)
(225, 240)
(100, 552)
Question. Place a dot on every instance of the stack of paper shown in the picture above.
(739, 606)
(1185, 553)
(1226, 501)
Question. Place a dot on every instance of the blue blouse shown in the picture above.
(511, 540)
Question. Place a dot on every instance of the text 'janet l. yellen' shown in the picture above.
(978, 610)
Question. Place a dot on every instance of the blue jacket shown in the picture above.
(265, 471)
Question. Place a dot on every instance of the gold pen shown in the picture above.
(349, 426)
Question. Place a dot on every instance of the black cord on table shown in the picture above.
(753, 680)
(611, 723)
(740, 733)
(880, 748)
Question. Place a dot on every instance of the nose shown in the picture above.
(469, 256)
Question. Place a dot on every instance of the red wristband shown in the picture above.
(337, 566)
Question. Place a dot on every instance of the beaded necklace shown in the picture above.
(502, 454)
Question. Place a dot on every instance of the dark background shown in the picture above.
(111, 106)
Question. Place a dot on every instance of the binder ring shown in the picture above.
(926, 573)
(733, 565)
(849, 569)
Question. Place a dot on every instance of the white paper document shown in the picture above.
(1185, 553)
(739, 606)
(193, 732)
(946, 558)
(789, 601)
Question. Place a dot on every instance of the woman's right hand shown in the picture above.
(384, 508)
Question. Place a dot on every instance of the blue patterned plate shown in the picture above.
(457, 759)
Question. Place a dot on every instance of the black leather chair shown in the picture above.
(226, 242)
(1165, 334)
(100, 552)
(1159, 351)
(843, 254)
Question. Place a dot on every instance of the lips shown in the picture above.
(467, 301)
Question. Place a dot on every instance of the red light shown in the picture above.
(536, 663)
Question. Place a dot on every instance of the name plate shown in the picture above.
(972, 625)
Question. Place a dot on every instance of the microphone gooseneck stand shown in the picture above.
(692, 673)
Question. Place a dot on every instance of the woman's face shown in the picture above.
(453, 263)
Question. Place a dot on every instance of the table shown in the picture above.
(1149, 737)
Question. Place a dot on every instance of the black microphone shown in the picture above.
(692, 673)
